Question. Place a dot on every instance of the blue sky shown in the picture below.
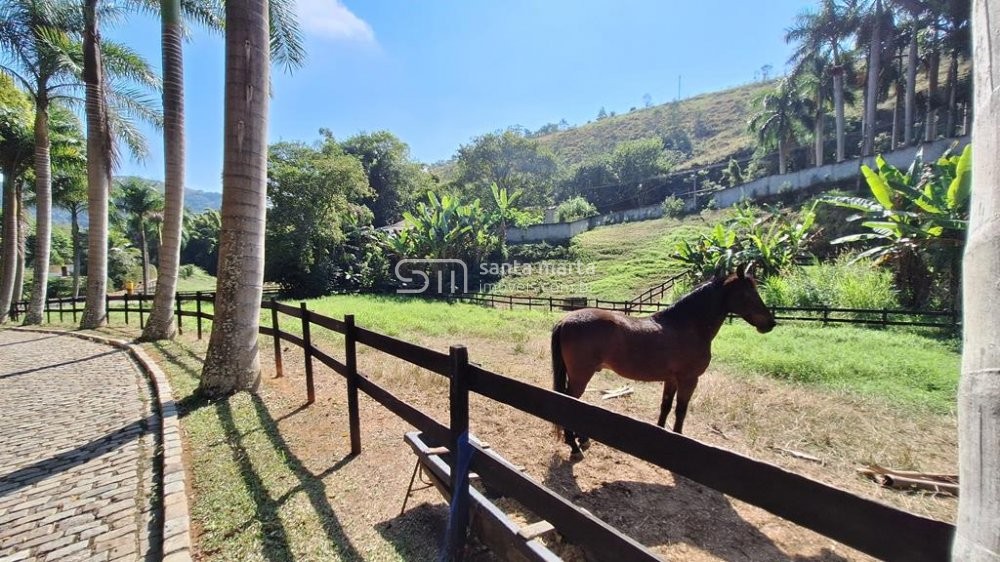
(439, 72)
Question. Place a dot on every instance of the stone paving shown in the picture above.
(76, 452)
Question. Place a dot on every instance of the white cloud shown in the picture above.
(333, 20)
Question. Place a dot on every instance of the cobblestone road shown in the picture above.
(76, 442)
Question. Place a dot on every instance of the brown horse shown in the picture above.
(673, 345)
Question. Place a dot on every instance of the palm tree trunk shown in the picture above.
(818, 127)
(233, 361)
(43, 210)
(161, 319)
(911, 87)
(896, 114)
(145, 256)
(782, 159)
(75, 233)
(838, 107)
(98, 174)
(22, 242)
(949, 127)
(871, 97)
(978, 533)
(8, 253)
(934, 62)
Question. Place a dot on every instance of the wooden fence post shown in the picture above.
(126, 309)
(180, 323)
(197, 307)
(74, 310)
(60, 301)
(351, 354)
(141, 323)
(278, 369)
(307, 347)
(461, 452)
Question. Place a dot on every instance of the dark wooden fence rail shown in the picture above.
(866, 525)
(827, 315)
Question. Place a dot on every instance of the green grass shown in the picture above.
(895, 366)
(901, 367)
(255, 500)
(626, 259)
(197, 281)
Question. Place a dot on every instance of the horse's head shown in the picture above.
(743, 299)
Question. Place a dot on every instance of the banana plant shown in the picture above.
(923, 209)
(915, 221)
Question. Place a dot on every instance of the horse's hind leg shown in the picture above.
(577, 384)
(669, 389)
(685, 388)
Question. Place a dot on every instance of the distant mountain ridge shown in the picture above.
(195, 201)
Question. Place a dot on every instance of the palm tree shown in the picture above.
(107, 107)
(781, 115)
(824, 33)
(161, 318)
(140, 203)
(233, 362)
(978, 535)
(34, 41)
(69, 187)
(876, 23)
(813, 73)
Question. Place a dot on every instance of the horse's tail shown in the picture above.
(558, 371)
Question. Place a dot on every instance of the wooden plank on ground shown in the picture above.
(488, 522)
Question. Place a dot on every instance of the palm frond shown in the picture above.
(122, 63)
(287, 47)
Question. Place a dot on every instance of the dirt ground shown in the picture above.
(677, 518)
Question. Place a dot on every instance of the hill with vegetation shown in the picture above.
(715, 123)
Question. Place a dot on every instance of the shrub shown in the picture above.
(188, 270)
(673, 206)
(575, 208)
(841, 284)
(538, 252)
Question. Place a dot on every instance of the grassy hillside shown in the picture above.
(611, 262)
(716, 123)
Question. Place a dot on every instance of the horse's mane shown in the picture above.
(691, 303)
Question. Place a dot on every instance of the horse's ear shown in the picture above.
(749, 270)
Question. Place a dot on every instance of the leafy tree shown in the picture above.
(637, 160)
(202, 245)
(915, 220)
(396, 180)
(593, 173)
(602, 114)
(232, 361)
(69, 191)
(312, 192)
(512, 162)
(16, 147)
(35, 42)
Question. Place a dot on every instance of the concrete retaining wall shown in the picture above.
(764, 187)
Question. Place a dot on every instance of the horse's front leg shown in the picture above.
(685, 388)
(669, 389)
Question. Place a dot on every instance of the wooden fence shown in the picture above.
(861, 523)
(950, 320)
